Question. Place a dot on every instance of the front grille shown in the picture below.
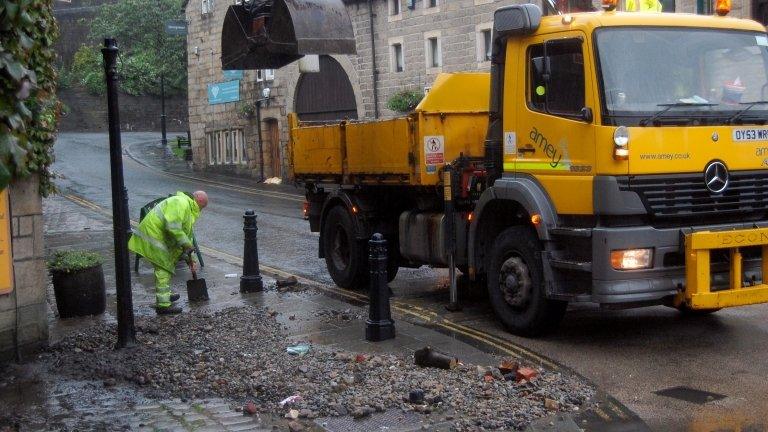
(670, 197)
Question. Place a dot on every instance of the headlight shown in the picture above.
(632, 259)
(621, 143)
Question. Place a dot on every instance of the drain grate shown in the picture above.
(390, 421)
(689, 394)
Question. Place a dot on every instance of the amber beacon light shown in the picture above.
(722, 7)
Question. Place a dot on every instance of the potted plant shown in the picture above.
(245, 110)
(78, 283)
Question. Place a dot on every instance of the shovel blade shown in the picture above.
(197, 290)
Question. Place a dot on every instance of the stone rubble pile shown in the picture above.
(240, 353)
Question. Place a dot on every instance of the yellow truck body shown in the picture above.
(410, 150)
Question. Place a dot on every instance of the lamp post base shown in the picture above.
(250, 284)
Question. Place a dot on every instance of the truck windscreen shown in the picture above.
(707, 76)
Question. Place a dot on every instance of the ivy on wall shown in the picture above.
(29, 109)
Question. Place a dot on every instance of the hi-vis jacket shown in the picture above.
(166, 231)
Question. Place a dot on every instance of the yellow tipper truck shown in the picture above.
(608, 157)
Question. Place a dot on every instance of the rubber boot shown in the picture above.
(175, 296)
(170, 310)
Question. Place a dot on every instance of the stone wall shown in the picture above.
(204, 68)
(88, 113)
(27, 300)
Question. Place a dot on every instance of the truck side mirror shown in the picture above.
(586, 115)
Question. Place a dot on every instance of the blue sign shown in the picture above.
(233, 74)
(224, 92)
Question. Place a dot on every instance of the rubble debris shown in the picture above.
(526, 373)
(508, 366)
(250, 408)
(427, 357)
(551, 404)
(286, 282)
(416, 396)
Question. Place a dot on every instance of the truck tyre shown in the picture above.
(516, 284)
(345, 255)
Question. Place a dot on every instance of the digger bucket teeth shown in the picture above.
(284, 33)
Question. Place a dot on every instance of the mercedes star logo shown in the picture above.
(716, 177)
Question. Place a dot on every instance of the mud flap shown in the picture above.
(272, 34)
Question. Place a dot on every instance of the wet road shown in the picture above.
(630, 354)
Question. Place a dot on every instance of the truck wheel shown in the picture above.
(345, 256)
(516, 284)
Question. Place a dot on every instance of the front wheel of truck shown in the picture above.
(516, 284)
(345, 255)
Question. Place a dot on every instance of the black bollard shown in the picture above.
(126, 332)
(379, 325)
(251, 279)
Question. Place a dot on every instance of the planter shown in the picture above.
(80, 292)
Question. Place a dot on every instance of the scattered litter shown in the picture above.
(360, 358)
(299, 349)
(427, 357)
(292, 414)
(273, 180)
(290, 400)
(230, 275)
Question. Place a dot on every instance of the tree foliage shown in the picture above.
(29, 109)
(146, 51)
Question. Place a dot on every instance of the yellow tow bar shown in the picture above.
(698, 294)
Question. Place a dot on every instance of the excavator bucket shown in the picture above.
(269, 34)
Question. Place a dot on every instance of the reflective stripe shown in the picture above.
(152, 241)
(173, 225)
(159, 212)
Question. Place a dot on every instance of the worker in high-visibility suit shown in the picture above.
(644, 6)
(163, 237)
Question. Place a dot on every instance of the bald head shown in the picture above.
(201, 198)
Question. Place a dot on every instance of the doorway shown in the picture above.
(272, 138)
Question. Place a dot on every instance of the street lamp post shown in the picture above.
(264, 98)
(164, 139)
(126, 333)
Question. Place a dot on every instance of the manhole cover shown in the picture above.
(390, 421)
(690, 394)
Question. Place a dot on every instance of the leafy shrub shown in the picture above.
(70, 261)
(405, 101)
(29, 109)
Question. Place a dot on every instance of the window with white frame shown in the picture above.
(431, 3)
(394, 7)
(269, 74)
(206, 6)
(225, 147)
(396, 56)
(259, 75)
(434, 57)
(484, 38)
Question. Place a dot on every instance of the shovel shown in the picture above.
(196, 288)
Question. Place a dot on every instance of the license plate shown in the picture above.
(751, 134)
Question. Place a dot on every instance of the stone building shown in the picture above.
(401, 44)
(23, 277)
